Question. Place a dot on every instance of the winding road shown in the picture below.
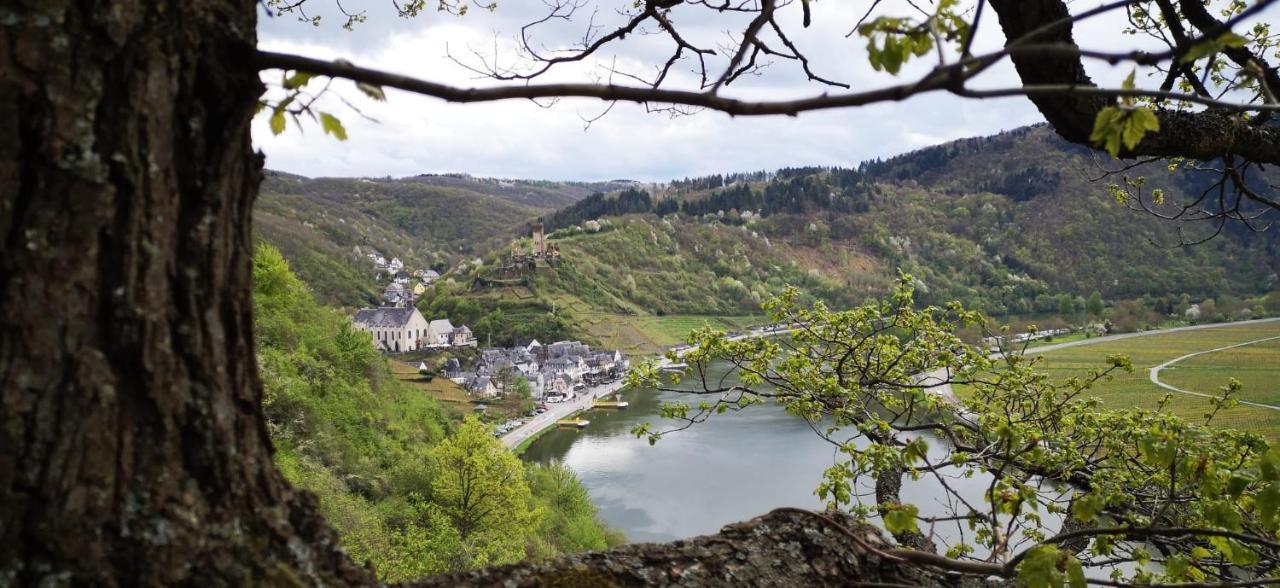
(945, 389)
(1155, 372)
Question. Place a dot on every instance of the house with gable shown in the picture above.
(439, 333)
(481, 386)
(462, 337)
(395, 295)
(396, 329)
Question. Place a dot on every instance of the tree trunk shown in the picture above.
(1205, 135)
(132, 444)
(888, 491)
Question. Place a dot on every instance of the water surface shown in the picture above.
(733, 467)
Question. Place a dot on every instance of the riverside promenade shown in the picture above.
(560, 410)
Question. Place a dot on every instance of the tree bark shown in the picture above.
(132, 445)
(888, 491)
(1204, 135)
(783, 548)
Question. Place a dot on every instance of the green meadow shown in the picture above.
(1257, 366)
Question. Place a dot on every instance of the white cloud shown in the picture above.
(416, 134)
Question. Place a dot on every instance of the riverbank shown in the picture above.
(536, 425)
(731, 468)
(519, 438)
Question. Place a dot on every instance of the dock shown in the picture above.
(575, 423)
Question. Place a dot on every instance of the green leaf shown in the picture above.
(1268, 501)
(891, 57)
(1086, 507)
(277, 121)
(297, 80)
(1115, 126)
(333, 126)
(1211, 46)
(1234, 552)
(1075, 573)
(901, 519)
(1138, 122)
(1039, 569)
(372, 91)
(1105, 128)
(1128, 83)
(1270, 465)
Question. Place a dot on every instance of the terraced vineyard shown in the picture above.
(440, 388)
(648, 334)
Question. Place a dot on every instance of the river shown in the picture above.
(731, 468)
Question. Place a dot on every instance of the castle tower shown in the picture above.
(539, 241)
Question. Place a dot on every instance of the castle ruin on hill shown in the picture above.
(540, 251)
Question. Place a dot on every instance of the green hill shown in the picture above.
(324, 226)
(345, 429)
(1018, 224)
(1010, 224)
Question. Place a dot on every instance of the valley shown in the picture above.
(638, 267)
(1028, 249)
(643, 293)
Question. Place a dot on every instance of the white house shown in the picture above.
(439, 333)
(462, 337)
(394, 328)
(428, 276)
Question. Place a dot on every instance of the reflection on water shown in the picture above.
(731, 468)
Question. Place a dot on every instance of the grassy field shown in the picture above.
(1258, 367)
(648, 334)
(439, 387)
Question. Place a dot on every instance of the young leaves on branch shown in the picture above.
(1124, 126)
(298, 101)
(1169, 499)
(892, 41)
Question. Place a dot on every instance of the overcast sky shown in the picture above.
(520, 139)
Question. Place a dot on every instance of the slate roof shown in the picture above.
(384, 317)
(441, 326)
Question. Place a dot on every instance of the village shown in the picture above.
(530, 374)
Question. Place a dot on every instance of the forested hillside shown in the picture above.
(382, 457)
(428, 221)
(1017, 224)
(1003, 223)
